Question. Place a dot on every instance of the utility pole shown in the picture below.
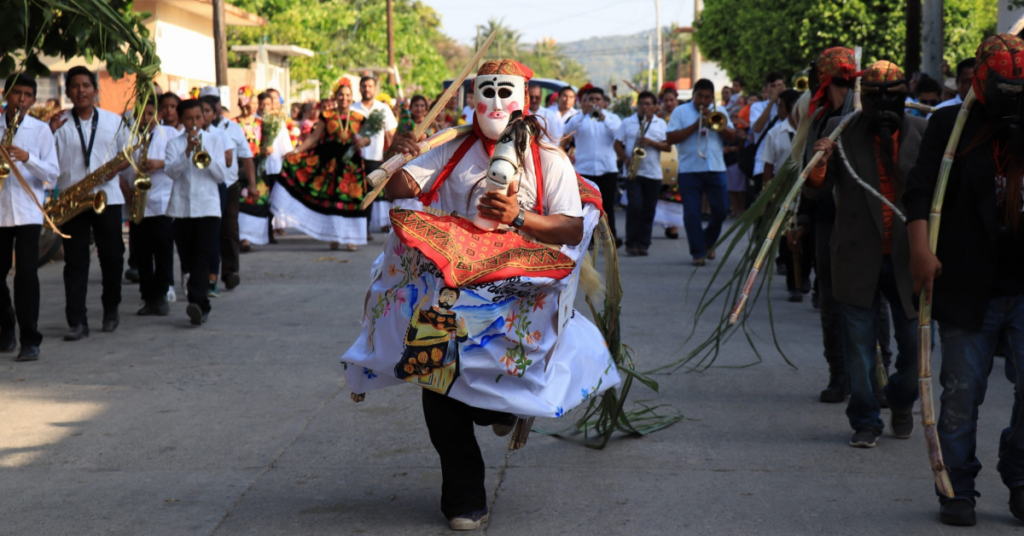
(698, 6)
(913, 45)
(661, 57)
(391, 40)
(650, 65)
(932, 42)
(220, 43)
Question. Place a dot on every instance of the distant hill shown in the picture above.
(611, 58)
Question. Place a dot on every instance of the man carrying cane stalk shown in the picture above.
(870, 249)
(975, 279)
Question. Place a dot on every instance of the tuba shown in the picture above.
(200, 158)
(7, 141)
(78, 197)
(142, 184)
(639, 153)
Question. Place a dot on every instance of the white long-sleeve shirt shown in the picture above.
(235, 142)
(194, 192)
(111, 135)
(41, 171)
(552, 123)
(160, 193)
(595, 153)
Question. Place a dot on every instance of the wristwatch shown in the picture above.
(520, 219)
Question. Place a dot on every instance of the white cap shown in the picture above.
(209, 91)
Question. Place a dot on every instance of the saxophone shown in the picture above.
(639, 153)
(142, 184)
(7, 141)
(78, 198)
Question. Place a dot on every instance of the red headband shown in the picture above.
(835, 62)
(1002, 55)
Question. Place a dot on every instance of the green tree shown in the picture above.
(548, 61)
(506, 43)
(752, 37)
(348, 34)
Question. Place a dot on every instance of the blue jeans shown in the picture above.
(691, 187)
(966, 365)
(860, 340)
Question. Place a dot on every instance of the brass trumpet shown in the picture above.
(716, 121)
(802, 81)
(200, 158)
(7, 141)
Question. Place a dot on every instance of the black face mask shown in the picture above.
(884, 109)
(1004, 103)
(812, 78)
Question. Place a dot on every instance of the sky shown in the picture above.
(563, 20)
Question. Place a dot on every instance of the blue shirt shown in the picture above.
(689, 161)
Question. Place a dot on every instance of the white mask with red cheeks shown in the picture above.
(497, 96)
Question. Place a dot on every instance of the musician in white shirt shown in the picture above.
(594, 129)
(642, 192)
(33, 154)
(241, 171)
(87, 138)
(195, 203)
(154, 240)
(552, 123)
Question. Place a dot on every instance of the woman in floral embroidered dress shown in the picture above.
(323, 180)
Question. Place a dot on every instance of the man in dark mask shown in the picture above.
(870, 251)
(976, 283)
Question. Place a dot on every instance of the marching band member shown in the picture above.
(32, 150)
(644, 189)
(154, 245)
(552, 122)
(88, 137)
(594, 131)
(195, 202)
(870, 247)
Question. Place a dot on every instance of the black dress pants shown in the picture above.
(806, 259)
(195, 238)
(106, 231)
(608, 184)
(213, 252)
(23, 242)
(154, 256)
(642, 194)
(230, 245)
(450, 424)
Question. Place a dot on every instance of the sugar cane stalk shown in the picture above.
(924, 327)
(784, 208)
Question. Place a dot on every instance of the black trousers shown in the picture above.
(608, 184)
(450, 424)
(807, 259)
(23, 242)
(154, 256)
(106, 231)
(213, 253)
(229, 242)
(133, 240)
(642, 194)
(195, 238)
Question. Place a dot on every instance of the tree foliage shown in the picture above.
(752, 37)
(71, 28)
(349, 34)
(545, 57)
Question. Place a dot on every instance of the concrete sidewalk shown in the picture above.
(244, 426)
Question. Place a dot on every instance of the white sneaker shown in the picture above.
(470, 521)
(171, 296)
(184, 283)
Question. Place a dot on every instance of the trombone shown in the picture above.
(200, 158)
(716, 122)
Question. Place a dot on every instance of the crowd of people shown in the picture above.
(221, 185)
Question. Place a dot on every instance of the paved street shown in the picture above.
(244, 426)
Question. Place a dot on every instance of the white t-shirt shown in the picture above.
(777, 145)
(468, 114)
(375, 150)
(650, 167)
(464, 187)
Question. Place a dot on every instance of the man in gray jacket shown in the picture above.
(869, 247)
